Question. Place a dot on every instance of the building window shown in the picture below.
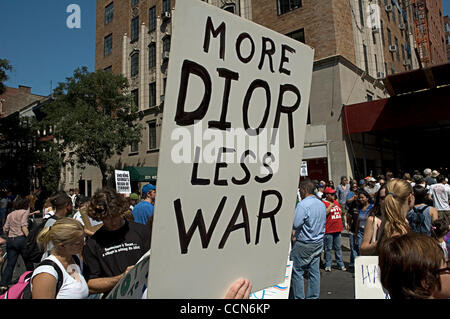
(298, 35)
(135, 64)
(109, 13)
(134, 3)
(166, 44)
(135, 97)
(366, 62)
(389, 36)
(152, 18)
(382, 31)
(285, 6)
(108, 69)
(152, 55)
(166, 6)
(135, 29)
(376, 64)
(152, 94)
(398, 49)
(108, 44)
(403, 52)
(135, 147)
(152, 135)
(230, 7)
(361, 12)
(369, 97)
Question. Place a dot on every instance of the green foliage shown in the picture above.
(4, 66)
(93, 118)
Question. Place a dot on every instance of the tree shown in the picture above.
(4, 66)
(93, 117)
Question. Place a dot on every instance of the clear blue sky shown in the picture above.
(39, 45)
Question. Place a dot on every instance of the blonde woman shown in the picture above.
(68, 239)
(398, 202)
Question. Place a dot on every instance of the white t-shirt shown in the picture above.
(74, 285)
(440, 193)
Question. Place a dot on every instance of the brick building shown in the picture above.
(429, 31)
(447, 35)
(14, 99)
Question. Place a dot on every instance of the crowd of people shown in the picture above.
(378, 213)
(74, 251)
(80, 241)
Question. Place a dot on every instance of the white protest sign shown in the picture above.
(123, 185)
(134, 283)
(304, 169)
(280, 291)
(367, 279)
(232, 140)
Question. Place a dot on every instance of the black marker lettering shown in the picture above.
(228, 75)
(239, 40)
(284, 58)
(270, 214)
(256, 84)
(268, 52)
(221, 30)
(241, 206)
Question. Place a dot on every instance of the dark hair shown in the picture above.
(362, 191)
(376, 209)
(21, 203)
(420, 194)
(409, 266)
(418, 179)
(439, 228)
(308, 186)
(107, 203)
(80, 200)
(440, 178)
(60, 200)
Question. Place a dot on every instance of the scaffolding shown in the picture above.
(421, 31)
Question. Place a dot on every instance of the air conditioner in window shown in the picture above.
(380, 75)
(388, 8)
(162, 98)
(166, 34)
(165, 15)
(407, 62)
(165, 55)
(392, 48)
(402, 26)
(375, 29)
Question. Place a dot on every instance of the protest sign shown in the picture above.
(134, 284)
(304, 169)
(280, 291)
(367, 279)
(232, 140)
(123, 185)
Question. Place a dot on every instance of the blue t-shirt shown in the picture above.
(363, 214)
(142, 212)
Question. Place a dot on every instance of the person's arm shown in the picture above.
(44, 286)
(330, 206)
(105, 284)
(367, 248)
(433, 213)
(25, 230)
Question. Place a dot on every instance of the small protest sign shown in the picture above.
(123, 185)
(367, 279)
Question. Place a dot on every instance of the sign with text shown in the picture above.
(304, 169)
(280, 291)
(367, 279)
(123, 185)
(232, 140)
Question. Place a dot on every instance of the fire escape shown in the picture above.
(421, 32)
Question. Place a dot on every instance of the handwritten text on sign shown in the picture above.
(367, 279)
(223, 217)
(123, 182)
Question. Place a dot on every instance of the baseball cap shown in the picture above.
(371, 179)
(147, 188)
(134, 196)
(329, 190)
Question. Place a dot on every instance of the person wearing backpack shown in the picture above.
(63, 207)
(421, 215)
(16, 229)
(68, 239)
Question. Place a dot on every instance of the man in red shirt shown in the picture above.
(333, 229)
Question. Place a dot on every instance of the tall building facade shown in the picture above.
(447, 35)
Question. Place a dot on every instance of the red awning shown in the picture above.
(404, 111)
(418, 97)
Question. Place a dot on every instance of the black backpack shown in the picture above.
(416, 220)
(32, 252)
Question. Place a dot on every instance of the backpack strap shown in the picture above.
(48, 262)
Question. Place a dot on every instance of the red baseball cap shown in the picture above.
(329, 190)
